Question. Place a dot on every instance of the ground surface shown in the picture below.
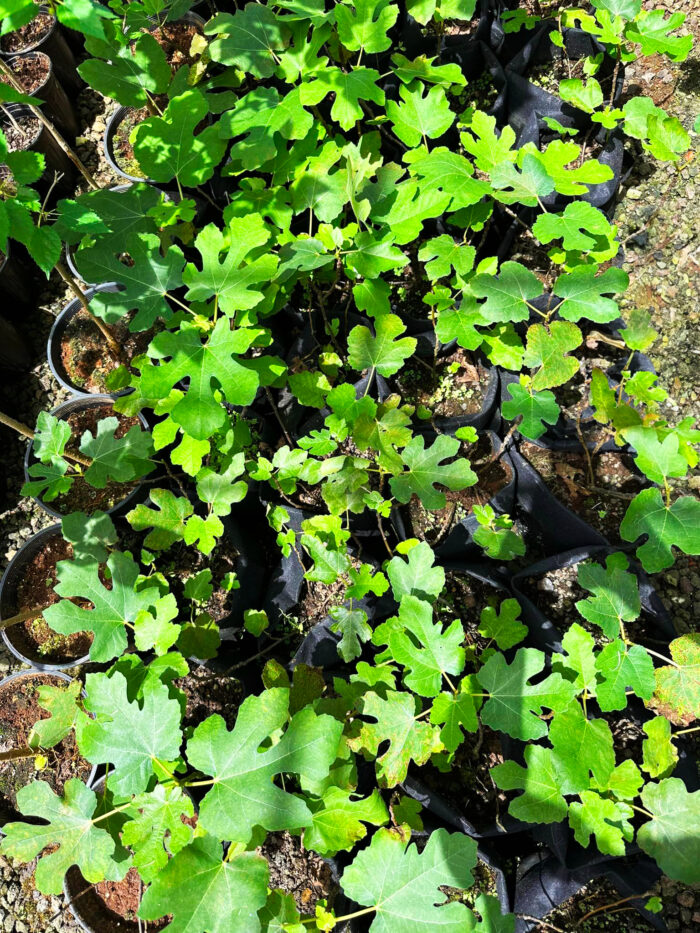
(659, 219)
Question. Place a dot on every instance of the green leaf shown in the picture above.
(62, 704)
(581, 226)
(652, 30)
(660, 755)
(426, 470)
(243, 795)
(420, 116)
(448, 172)
(352, 624)
(44, 247)
(121, 459)
(220, 490)
(168, 520)
(249, 39)
(129, 74)
(526, 186)
(507, 294)
(214, 362)
(656, 458)
(489, 149)
(443, 254)
(373, 254)
(91, 535)
(131, 736)
(628, 9)
(608, 820)
(615, 594)
(403, 885)
(145, 281)
(677, 692)
(623, 667)
(587, 96)
(672, 836)
(502, 625)
(168, 147)
(677, 525)
(639, 335)
(384, 352)
(364, 24)
(421, 646)
(70, 828)
(536, 408)
(416, 576)
(349, 89)
(205, 894)
(542, 800)
(423, 68)
(455, 712)
(460, 323)
(408, 739)
(154, 629)
(112, 610)
(339, 820)
(582, 293)
(514, 705)
(578, 659)
(235, 282)
(547, 349)
(50, 437)
(155, 830)
(581, 745)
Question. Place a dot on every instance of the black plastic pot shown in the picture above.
(525, 99)
(6, 813)
(57, 107)
(53, 44)
(545, 635)
(459, 545)
(44, 143)
(8, 601)
(14, 352)
(13, 278)
(108, 146)
(543, 883)
(61, 411)
(53, 347)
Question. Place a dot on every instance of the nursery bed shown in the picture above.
(662, 255)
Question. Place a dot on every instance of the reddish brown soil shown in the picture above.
(82, 497)
(33, 638)
(19, 710)
(84, 353)
(176, 39)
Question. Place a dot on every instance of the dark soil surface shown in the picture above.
(468, 787)
(603, 502)
(27, 36)
(30, 70)
(181, 562)
(112, 906)
(22, 132)
(493, 475)
(207, 693)
(85, 355)
(297, 871)
(82, 497)
(598, 895)
(19, 710)
(33, 638)
(455, 386)
(176, 39)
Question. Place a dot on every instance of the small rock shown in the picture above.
(686, 899)
(634, 193)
